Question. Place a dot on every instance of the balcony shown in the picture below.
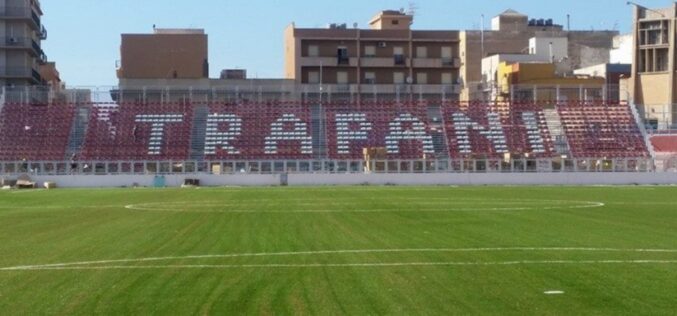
(453, 62)
(20, 73)
(21, 13)
(42, 33)
(436, 62)
(327, 62)
(37, 50)
(427, 63)
(16, 42)
(42, 58)
(379, 62)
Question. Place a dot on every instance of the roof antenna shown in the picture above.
(413, 8)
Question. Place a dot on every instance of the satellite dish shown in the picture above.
(410, 80)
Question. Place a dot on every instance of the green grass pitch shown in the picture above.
(340, 250)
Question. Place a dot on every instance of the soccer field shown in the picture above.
(340, 250)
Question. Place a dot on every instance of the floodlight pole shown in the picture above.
(639, 6)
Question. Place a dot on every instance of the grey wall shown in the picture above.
(373, 179)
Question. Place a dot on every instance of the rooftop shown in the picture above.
(178, 31)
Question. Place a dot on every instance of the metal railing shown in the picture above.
(594, 165)
(659, 118)
(288, 90)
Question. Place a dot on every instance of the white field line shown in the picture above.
(27, 191)
(353, 265)
(365, 251)
(247, 204)
(553, 292)
(444, 206)
(52, 207)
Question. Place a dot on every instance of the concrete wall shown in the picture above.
(111, 181)
(622, 51)
(373, 179)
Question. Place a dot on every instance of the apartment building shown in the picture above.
(653, 71)
(386, 57)
(391, 53)
(516, 33)
(164, 54)
(21, 33)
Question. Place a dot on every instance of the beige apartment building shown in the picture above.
(653, 71)
(386, 57)
(21, 33)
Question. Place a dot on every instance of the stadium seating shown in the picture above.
(260, 131)
(602, 130)
(138, 132)
(35, 132)
(480, 130)
(665, 144)
(298, 130)
(401, 128)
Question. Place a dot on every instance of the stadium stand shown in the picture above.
(34, 132)
(402, 129)
(602, 130)
(138, 132)
(296, 131)
(665, 144)
(479, 130)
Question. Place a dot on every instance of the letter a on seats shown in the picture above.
(416, 132)
(299, 133)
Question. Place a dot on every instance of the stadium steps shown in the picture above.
(642, 128)
(319, 132)
(559, 138)
(198, 132)
(78, 131)
(439, 135)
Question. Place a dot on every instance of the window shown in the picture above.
(447, 78)
(342, 77)
(653, 59)
(314, 77)
(370, 51)
(446, 52)
(369, 77)
(654, 33)
(421, 78)
(422, 52)
(398, 53)
(661, 60)
(398, 78)
(313, 51)
(342, 54)
(396, 22)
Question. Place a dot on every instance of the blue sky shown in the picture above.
(84, 35)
